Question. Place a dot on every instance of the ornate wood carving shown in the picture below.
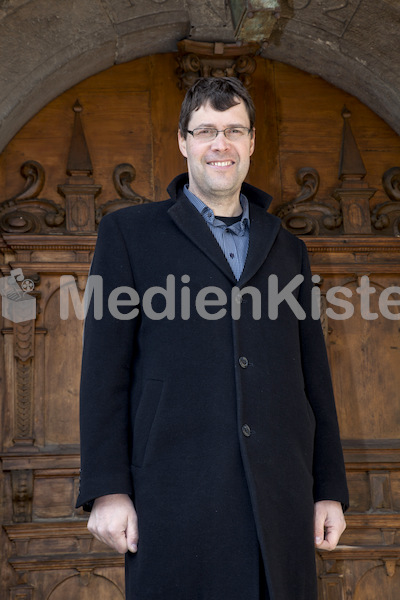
(354, 194)
(22, 494)
(24, 335)
(365, 573)
(79, 161)
(203, 59)
(26, 212)
(351, 166)
(21, 376)
(386, 216)
(351, 215)
(123, 175)
(24, 340)
(304, 215)
(390, 566)
(23, 404)
(79, 191)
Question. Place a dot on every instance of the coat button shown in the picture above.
(246, 430)
(243, 362)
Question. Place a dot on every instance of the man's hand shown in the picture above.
(113, 520)
(329, 524)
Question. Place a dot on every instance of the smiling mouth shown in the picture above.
(221, 163)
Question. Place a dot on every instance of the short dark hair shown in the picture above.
(221, 92)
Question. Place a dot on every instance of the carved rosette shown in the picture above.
(203, 59)
(386, 216)
(123, 175)
(304, 215)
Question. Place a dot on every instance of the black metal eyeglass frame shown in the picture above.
(217, 131)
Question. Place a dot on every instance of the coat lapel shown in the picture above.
(192, 224)
(264, 228)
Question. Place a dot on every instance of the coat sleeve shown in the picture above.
(108, 349)
(328, 463)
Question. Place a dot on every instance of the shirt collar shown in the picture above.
(208, 214)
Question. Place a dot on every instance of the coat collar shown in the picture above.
(264, 228)
(255, 195)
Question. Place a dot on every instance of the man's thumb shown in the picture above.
(132, 535)
(319, 530)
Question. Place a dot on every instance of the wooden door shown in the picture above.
(334, 176)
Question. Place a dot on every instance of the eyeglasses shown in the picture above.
(206, 134)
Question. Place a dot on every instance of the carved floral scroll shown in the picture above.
(123, 175)
(26, 212)
(305, 215)
(386, 216)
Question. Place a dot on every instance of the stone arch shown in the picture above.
(48, 47)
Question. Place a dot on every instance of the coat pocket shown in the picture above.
(144, 419)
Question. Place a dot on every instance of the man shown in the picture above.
(210, 444)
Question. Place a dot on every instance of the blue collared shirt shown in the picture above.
(232, 239)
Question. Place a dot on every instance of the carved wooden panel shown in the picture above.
(61, 389)
(368, 416)
(333, 169)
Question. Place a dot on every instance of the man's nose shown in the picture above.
(220, 142)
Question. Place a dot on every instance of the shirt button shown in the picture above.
(246, 430)
(232, 255)
(243, 362)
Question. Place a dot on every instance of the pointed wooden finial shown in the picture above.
(77, 106)
(351, 164)
(79, 162)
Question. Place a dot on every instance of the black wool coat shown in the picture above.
(223, 431)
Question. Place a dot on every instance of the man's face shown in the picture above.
(218, 167)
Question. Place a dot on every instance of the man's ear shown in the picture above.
(182, 143)
(253, 141)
